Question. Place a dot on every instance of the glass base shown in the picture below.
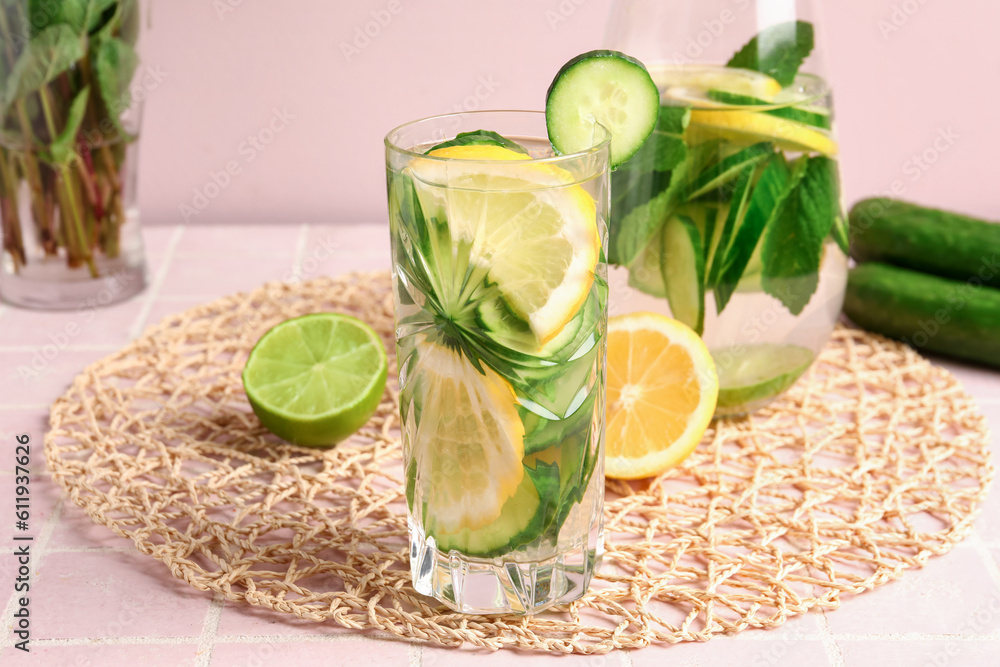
(54, 286)
(502, 586)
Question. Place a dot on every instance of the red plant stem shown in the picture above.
(90, 179)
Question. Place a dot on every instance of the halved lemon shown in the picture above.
(530, 226)
(662, 389)
(751, 126)
(715, 77)
(468, 443)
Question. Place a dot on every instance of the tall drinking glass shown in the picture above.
(730, 216)
(500, 287)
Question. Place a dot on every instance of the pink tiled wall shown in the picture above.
(904, 72)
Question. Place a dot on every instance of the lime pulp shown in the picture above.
(316, 379)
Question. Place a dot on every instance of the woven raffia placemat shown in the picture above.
(873, 462)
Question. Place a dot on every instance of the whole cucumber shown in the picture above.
(959, 319)
(924, 239)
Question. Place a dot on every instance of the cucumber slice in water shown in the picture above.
(573, 452)
(684, 271)
(481, 138)
(606, 87)
(524, 517)
(504, 327)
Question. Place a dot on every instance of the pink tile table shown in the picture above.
(94, 600)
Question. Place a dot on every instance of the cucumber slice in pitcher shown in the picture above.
(815, 116)
(645, 273)
(684, 271)
(606, 87)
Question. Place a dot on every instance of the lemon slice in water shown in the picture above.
(529, 226)
(468, 442)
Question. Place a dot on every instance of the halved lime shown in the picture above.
(316, 379)
(753, 373)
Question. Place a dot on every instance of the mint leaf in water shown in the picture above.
(777, 51)
(794, 239)
(738, 205)
(642, 179)
(774, 184)
(61, 148)
(665, 149)
(115, 63)
(632, 232)
(729, 169)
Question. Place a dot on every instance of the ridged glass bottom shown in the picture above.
(499, 585)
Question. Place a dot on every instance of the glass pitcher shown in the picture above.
(730, 217)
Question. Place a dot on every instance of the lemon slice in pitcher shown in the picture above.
(715, 77)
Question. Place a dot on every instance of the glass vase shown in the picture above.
(730, 217)
(68, 155)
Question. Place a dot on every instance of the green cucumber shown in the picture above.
(511, 338)
(924, 239)
(606, 87)
(504, 327)
(684, 271)
(481, 138)
(524, 517)
(959, 319)
(559, 389)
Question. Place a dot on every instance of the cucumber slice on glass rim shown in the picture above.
(604, 87)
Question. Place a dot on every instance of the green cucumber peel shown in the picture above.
(682, 250)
